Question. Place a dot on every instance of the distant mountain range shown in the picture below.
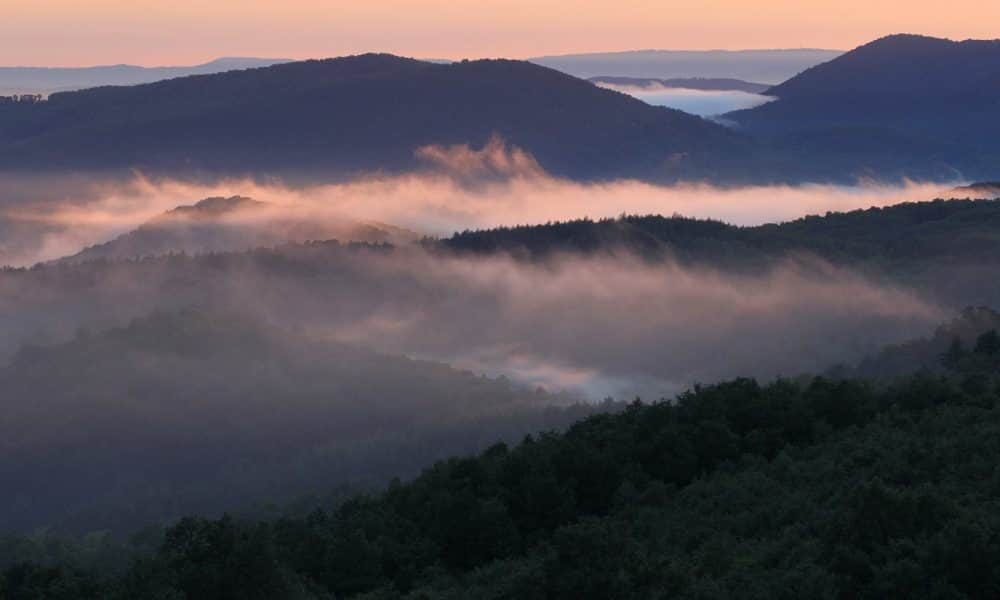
(689, 83)
(766, 66)
(900, 107)
(46, 80)
(772, 66)
(915, 105)
(233, 224)
(361, 114)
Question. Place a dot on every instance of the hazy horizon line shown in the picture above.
(209, 61)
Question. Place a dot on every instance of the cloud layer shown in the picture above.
(608, 325)
(704, 103)
(463, 188)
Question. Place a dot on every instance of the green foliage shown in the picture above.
(822, 489)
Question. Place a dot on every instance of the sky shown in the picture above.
(178, 32)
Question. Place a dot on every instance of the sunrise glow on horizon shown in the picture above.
(71, 33)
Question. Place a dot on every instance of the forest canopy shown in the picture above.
(823, 487)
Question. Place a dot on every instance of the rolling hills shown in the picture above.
(360, 114)
(899, 107)
(201, 410)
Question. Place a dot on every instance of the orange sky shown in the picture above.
(81, 32)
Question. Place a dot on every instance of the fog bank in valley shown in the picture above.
(43, 218)
(704, 103)
(213, 373)
(609, 325)
(568, 322)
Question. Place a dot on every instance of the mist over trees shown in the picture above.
(498, 314)
(918, 244)
(286, 375)
(198, 411)
(910, 104)
(823, 487)
(888, 111)
(345, 117)
(252, 399)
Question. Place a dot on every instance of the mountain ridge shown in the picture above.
(46, 80)
(344, 116)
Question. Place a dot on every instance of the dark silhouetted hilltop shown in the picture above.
(926, 68)
(919, 244)
(360, 114)
(918, 106)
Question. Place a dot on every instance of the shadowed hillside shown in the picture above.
(911, 104)
(235, 223)
(363, 113)
(920, 243)
(818, 488)
(771, 66)
(198, 410)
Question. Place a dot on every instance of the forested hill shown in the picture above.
(45, 80)
(932, 73)
(231, 224)
(947, 348)
(361, 114)
(908, 104)
(953, 227)
(918, 243)
(828, 488)
(201, 411)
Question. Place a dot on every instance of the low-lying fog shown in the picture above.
(704, 103)
(609, 325)
(48, 217)
(250, 375)
(613, 325)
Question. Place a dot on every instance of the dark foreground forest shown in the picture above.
(824, 487)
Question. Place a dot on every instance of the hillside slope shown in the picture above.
(233, 224)
(918, 105)
(361, 114)
(201, 410)
(919, 244)
(46, 80)
(825, 488)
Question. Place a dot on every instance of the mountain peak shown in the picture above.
(908, 38)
